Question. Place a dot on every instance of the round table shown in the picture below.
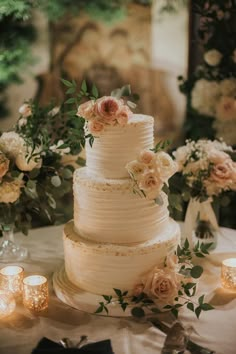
(21, 331)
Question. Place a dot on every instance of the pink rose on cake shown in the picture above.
(147, 156)
(162, 284)
(86, 110)
(123, 115)
(136, 169)
(95, 127)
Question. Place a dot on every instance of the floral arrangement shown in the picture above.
(167, 288)
(105, 111)
(151, 171)
(211, 89)
(34, 174)
(206, 167)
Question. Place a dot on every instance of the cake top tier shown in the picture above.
(119, 144)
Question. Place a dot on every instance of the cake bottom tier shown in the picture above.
(100, 267)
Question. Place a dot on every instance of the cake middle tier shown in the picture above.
(109, 211)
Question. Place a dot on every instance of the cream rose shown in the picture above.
(166, 166)
(24, 164)
(150, 181)
(162, 284)
(228, 87)
(107, 107)
(213, 57)
(136, 168)
(95, 127)
(10, 191)
(4, 165)
(226, 109)
(146, 156)
(223, 172)
(123, 115)
(11, 143)
(205, 95)
(25, 110)
(86, 110)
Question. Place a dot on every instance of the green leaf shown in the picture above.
(124, 306)
(155, 310)
(186, 244)
(80, 161)
(84, 86)
(201, 299)
(70, 100)
(70, 90)
(56, 181)
(198, 311)
(196, 272)
(67, 173)
(34, 173)
(190, 306)
(66, 83)
(174, 312)
(99, 309)
(118, 292)
(108, 298)
(95, 91)
(137, 312)
(207, 307)
(159, 200)
(125, 293)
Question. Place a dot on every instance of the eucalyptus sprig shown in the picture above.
(161, 145)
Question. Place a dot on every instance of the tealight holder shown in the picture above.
(11, 278)
(228, 273)
(35, 293)
(7, 304)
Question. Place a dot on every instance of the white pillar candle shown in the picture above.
(35, 293)
(11, 278)
(228, 273)
(7, 304)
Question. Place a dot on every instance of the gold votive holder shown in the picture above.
(11, 278)
(228, 273)
(7, 304)
(35, 293)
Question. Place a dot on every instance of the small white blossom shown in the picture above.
(213, 57)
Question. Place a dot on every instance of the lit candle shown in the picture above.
(7, 304)
(228, 273)
(35, 293)
(11, 278)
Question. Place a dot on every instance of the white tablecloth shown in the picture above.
(20, 332)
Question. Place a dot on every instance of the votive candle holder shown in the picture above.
(35, 293)
(11, 278)
(7, 304)
(228, 273)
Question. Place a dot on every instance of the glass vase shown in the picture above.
(10, 251)
(201, 223)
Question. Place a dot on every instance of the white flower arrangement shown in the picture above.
(207, 168)
(150, 172)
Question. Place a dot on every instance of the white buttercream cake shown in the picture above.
(117, 235)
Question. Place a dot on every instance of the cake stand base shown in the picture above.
(80, 299)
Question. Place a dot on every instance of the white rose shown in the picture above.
(205, 95)
(213, 57)
(166, 166)
(11, 143)
(226, 108)
(136, 168)
(23, 164)
(228, 87)
(25, 110)
(10, 191)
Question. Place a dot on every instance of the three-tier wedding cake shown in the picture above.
(121, 228)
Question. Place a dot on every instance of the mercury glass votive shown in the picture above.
(7, 304)
(11, 278)
(228, 273)
(35, 293)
